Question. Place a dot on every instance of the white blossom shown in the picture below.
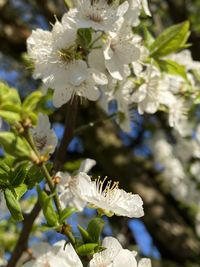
(133, 13)
(119, 51)
(178, 117)
(43, 136)
(70, 187)
(57, 63)
(52, 54)
(86, 88)
(152, 92)
(185, 58)
(79, 190)
(108, 198)
(51, 256)
(98, 15)
(115, 256)
(120, 92)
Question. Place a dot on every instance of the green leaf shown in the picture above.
(85, 37)
(20, 190)
(32, 100)
(18, 175)
(66, 213)
(86, 249)
(95, 228)
(171, 40)
(85, 235)
(5, 167)
(172, 67)
(9, 95)
(9, 116)
(14, 145)
(34, 176)
(13, 205)
(47, 207)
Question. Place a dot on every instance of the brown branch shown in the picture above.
(22, 242)
(70, 121)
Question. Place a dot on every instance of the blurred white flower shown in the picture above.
(178, 117)
(185, 58)
(98, 15)
(56, 255)
(3, 262)
(44, 137)
(115, 256)
(152, 92)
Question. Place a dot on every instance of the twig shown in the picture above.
(22, 242)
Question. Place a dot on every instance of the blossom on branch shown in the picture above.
(56, 255)
(44, 137)
(115, 256)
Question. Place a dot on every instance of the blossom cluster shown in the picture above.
(60, 256)
(95, 53)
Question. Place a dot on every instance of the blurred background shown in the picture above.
(169, 232)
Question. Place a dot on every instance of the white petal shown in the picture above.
(144, 263)
(112, 243)
(125, 258)
(77, 73)
(62, 96)
(99, 77)
(146, 8)
(87, 165)
(122, 9)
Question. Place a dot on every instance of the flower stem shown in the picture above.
(45, 172)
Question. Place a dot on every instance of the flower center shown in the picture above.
(107, 190)
(40, 142)
(66, 55)
(96, 17)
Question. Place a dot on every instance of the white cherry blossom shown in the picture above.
(86, 87)
(178, 117)
(43, 136)
(52, 54)
(57, 63)
(115, 256)
(134, 11)
(56, 255)
(71, 186)
(98, 15)
(185, 58)
(119, 91)
(108, 198)
(119, 51)
(148, 94)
